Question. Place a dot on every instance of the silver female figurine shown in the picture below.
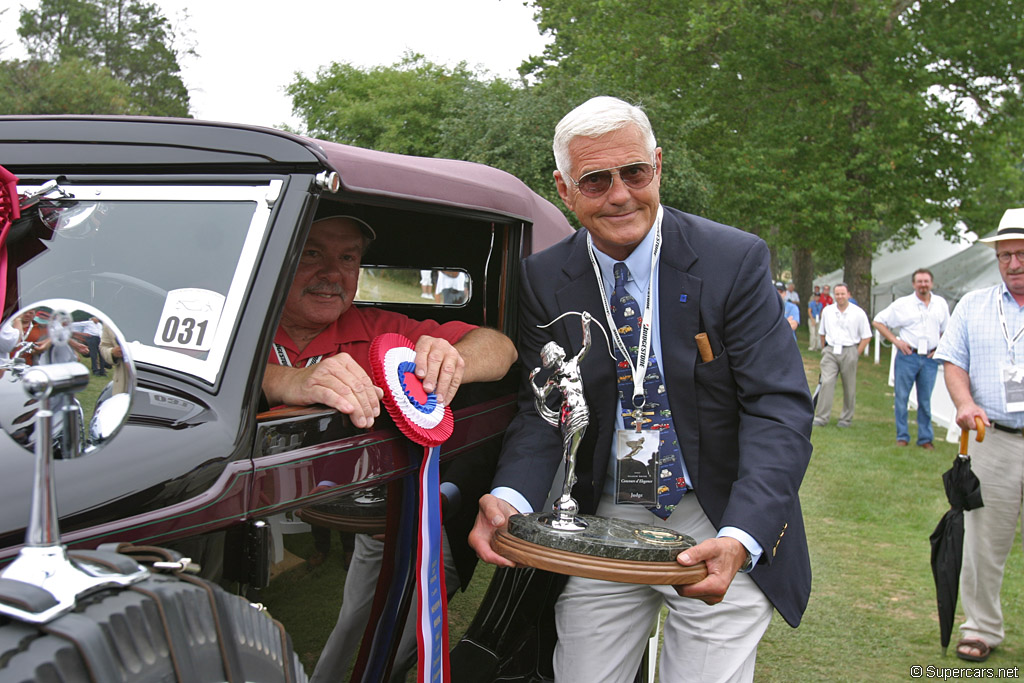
(572, 419)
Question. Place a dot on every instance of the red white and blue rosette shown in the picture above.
(418, 414)
(426, 422)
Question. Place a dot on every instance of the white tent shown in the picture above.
(892, 266)
(973, 268)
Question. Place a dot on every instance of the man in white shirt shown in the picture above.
(791, 295)
(921, 318)
(92, 330)
(452, 287)
(845, 332)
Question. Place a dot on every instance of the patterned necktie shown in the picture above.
(657, 414)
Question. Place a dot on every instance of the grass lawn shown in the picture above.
(869, 508)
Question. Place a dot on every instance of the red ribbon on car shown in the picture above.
(10, 211)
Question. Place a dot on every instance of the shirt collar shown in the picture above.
(1004, 292)
(350, 327)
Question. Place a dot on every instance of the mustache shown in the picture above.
(325, 288)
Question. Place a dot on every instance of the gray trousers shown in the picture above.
(360, 582)
(604, 626)
(814, 337)
(989, 533)
(833, 367)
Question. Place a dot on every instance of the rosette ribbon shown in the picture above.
(424, 421)
(10, 211)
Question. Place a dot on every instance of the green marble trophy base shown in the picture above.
(608, 549)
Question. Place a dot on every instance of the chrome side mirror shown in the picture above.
(45, 340)
(42, 385)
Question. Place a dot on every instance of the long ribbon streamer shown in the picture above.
(432, 634)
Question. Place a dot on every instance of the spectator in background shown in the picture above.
(983, 349)
(91, 330)
(845, 332)
(826, 298)
(921, 318)
(791, 312)
(791, 295)
(814, 319)
(452, 287)
(427, 284)
(113, 357)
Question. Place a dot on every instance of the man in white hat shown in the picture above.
(983, 351)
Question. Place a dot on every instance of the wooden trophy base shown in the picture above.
(608, 549)
(348, 513)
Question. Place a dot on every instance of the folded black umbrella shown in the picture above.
(963, 490)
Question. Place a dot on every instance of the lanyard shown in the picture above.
(1006, 332)
(282, 357)
(643, 354)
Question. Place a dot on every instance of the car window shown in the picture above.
(168, 264)
(425, 286)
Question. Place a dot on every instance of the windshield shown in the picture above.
(169, 265)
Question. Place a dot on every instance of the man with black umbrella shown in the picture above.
(983, 350)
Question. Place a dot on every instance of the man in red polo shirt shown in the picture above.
(826, 298)
(321, 350)
(321, 355)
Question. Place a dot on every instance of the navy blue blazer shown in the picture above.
(743, 419)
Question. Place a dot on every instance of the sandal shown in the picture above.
(973, 644)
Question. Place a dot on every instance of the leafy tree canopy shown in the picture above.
(829, 126)
(72, 86)
(131, 39)
(418, 107)
(396, 108)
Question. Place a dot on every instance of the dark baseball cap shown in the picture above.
(328, 210)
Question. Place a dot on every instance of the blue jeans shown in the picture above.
(908, 370)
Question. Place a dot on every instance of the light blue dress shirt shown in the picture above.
(974, 342)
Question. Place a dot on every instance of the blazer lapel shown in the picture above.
(679, 302)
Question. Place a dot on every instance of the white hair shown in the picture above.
(594, 118)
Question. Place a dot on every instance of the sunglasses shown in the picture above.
(635, 176)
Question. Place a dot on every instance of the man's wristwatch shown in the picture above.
(749, 564)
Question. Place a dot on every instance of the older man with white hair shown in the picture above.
(732, 431)
(983, 350)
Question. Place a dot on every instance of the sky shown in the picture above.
(249, 51)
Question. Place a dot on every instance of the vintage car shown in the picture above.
(187, 235)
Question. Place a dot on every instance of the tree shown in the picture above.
(133, 40)
(72, 86)
(400, 108)
(828, 126)
(418, 107)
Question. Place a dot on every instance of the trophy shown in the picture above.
(567, 542)
(361, 512)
